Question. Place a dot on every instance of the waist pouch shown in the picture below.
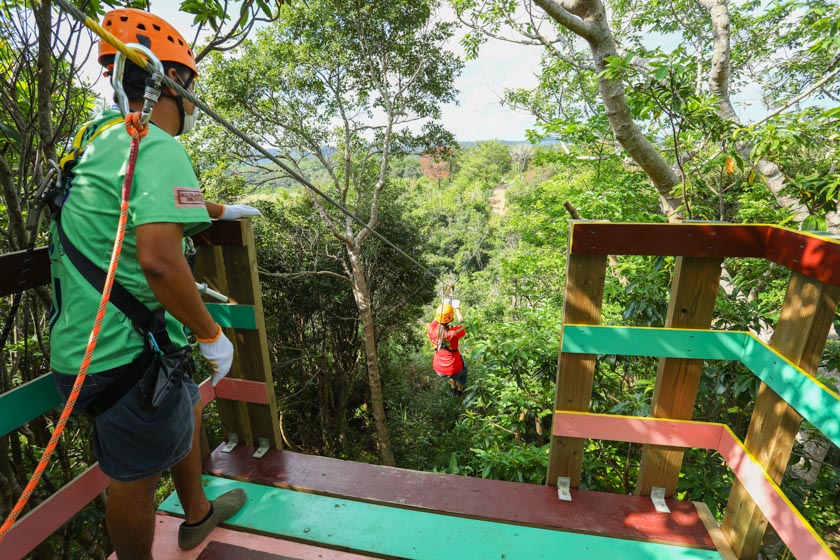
(159, 376)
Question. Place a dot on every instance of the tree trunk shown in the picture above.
(362, 295)
(587, 18)
(719, 78)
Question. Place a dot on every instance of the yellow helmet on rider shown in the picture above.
(445, 313)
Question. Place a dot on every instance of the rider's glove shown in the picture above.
(456, 303)
(236, 211)
(218, 351)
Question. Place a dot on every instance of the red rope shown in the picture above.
(91, 345)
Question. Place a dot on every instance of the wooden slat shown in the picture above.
(242, 390)
(252, 360)
(679, 240)
(210, 267)
(233, 316)
(30, 400)
(585, 275)
(12, 263)
(816, 402)
(405, 533)
(721, 542)
(691, 306)
(526, 504)
(806, 317)
(794, 530)
(52, 513)
(811, 255)
(166, 545)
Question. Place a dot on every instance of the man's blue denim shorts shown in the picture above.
(131, 440)
(460, 377)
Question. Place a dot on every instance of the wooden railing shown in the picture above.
(788, 390)
(246, 395)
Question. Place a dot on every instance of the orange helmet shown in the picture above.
(136, 26)
(444, 313)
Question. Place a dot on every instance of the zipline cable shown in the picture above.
(132, 55)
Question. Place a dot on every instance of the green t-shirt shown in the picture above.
(165, 189)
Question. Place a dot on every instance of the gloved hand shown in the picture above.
(456, 304)
(447, 301)
(218, 351)
(236, 211)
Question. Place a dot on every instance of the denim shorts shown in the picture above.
(460, 377)
(131, 440)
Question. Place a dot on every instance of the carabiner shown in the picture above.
(152, 93)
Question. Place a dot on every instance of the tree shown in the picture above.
(340, 81)
(686, 128)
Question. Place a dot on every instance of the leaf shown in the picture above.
(11, 134)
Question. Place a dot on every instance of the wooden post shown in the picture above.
(691, 306)
(252, 360)
(233, 270)
(800, 336)
(582, 306)
(210, 267)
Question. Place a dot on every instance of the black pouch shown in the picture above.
(165, 375)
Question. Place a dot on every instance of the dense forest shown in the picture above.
(636, 122)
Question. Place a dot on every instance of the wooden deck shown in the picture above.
(597, 513)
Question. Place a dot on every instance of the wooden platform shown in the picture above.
(598, 513)
(394, 532)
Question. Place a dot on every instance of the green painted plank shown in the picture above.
(404, 533)
(236, 316)
(643, 341)
(30, 400)
(814, 401)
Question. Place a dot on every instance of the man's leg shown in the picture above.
(200, 518)
(130, 515)
(187, 476)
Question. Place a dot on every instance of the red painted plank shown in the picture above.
(223, 551)
(242, 390)
(52, 513)
(638, 430)
(508, 502)
(793, 529)
(166, 544)
(808, 254)
(688, 240)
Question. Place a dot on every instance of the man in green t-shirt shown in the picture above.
(133, 441)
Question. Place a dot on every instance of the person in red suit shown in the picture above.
(444, 336)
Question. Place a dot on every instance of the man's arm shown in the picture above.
(162, 261)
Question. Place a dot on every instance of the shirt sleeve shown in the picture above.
(455, 333)
(165, 187)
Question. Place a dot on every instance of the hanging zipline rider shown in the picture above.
(146, 406)
(444, 336)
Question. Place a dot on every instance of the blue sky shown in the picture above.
(477, 116)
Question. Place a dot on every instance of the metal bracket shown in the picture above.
(657, 495)
(262, 449)
(563, 484)
(232, 441)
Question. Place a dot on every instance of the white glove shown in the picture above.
(447, 302)
(236, 211)
(218, 351)
(456, 304)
